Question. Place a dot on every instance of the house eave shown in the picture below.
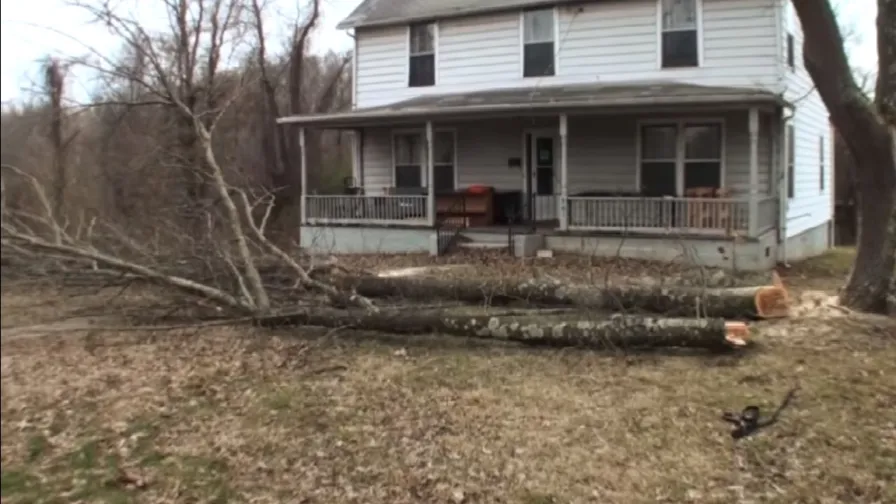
(380, 116)
(360, 22)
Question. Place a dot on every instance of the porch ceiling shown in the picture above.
(582, 98)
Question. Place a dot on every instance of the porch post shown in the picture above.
(303, 167)
(357, 174)
(564, 176)
(754, 172)
(430, 178)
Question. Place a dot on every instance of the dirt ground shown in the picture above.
(233, 414)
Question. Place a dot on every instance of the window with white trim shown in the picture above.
(791, 52)
(538, 43)
(408, 156)
(689, 150)
(659, 160)
(410, 160)
(702, 155)
(680, 33)
(791, 161)
(422, 55)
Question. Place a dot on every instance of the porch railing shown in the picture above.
(728, 216)
(408, 210)
(767, 216)
(546, 206)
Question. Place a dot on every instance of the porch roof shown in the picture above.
(582, 98)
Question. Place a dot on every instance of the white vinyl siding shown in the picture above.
(602, 152)
(595, 42)
(809, 207)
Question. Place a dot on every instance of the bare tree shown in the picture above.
(869, 130)
(177, 72)
(279, 145)
(54, 82)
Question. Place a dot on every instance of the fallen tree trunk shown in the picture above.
(732, 303)
(617, 331)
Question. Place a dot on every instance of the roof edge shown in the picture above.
(387, 114)
(349, 23)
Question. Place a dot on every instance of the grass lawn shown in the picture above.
(232, 414)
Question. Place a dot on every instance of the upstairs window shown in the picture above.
(791, 55)
(680, 37)
(791, 162)
(538, 43)
(422, 59)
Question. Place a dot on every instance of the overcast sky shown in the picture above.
(31, 29)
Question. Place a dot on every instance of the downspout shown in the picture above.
(354, 37)
(780, 71)
(783, 199)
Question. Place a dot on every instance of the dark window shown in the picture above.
(702, 174)
(407, 176)
(443, 161)
(422, 64)
(821, 170)
(680, 44)
(660, 154)
(702, 155)
(408, 156)
(791, 162)
(538, 43)
(658, 178)
(658, 158)
(791, 55)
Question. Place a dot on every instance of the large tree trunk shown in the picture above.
(732, 303)
(866, 134)
(564, 330)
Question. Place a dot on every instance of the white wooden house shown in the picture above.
(649, 128)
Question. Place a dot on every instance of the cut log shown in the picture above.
(733, 303)
(617, 331)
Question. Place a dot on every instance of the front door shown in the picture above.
(541, 175)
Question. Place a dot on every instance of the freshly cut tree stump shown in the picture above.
(729, 303)
(617, 331)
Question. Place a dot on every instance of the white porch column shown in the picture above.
(303, 167)
(564, 176)
(430, 177)
(754, 172)
(356, 157)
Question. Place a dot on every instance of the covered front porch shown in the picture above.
(647, 159)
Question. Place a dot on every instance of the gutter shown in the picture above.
(783, 198)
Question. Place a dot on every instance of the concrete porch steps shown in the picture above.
(482, 241)
(483, 245)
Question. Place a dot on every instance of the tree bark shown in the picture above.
(613, 332)
(865, 132)
(733, 303)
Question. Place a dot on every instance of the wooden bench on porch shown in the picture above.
(473, 206)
